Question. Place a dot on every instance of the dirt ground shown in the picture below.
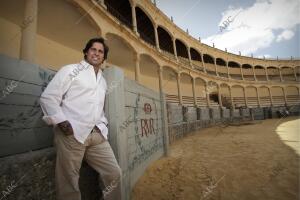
(248, 162)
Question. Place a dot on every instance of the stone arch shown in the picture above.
(273, 73)
(149, 69)
(237, 92)
(121, 9)
(126, 60)
(260, 73)
(251, 96)
(277, 95)
(247, 71)
(264, 96)
(235, 70)
(292, 95)
(221, 67)
(165, 40)
(209, 63)
(145, 25)
(288, 73)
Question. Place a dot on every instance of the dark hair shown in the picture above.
(90, 43)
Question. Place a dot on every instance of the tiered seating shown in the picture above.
(187, 100)
(288, 77)
(261, 77)
(249, 77)
(274, 77)
(278, 100)
(184, 60)
(201, 101)
(210, 68)
(293, 99)
(199, 68)
(236, 76)
(239, 102)
(252, 102)
(223, 75)
(265, 101)
(172, 98)
(226, 102)
(222, 71)
(197, 65)
(248, 74)
(213, 103)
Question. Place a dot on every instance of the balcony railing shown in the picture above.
(119, 16)
(273, 73)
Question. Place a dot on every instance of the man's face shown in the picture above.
(95, 54)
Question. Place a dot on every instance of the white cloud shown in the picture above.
(285, 35)
(253, 28)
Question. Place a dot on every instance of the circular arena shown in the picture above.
(186, 120)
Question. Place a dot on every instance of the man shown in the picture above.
(73, 102)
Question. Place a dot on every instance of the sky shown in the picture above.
(267, 28)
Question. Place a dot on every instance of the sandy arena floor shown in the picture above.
(249, 162)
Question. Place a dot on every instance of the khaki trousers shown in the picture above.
(97, 153)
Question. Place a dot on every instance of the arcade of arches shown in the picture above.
(149, 48)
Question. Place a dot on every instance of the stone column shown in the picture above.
(216, 69)
(258, 99)
(254, 75)
(134, 23)
(137, 67)
(241, 70)
(203, 65)
(102, 3)
(228, 75)
(295, 73)
(207, 95)
(231, 98)
(189, 55)
(284, 95)
(266, 71)
(174, 47)
(245, 97)
(219, 96)
(271, 97)
(280, 74)
(28, 29)
(160, 79)
(194, 91)
(179, 89)
(156, 36)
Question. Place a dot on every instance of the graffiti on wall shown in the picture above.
(147, 125)
(24, 119)
(148, 141)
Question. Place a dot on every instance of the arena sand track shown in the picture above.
(248, 162)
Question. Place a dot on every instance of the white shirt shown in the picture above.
(76, 95)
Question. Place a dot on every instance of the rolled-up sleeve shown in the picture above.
(52, 96)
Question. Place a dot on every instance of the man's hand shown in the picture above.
(66, 128)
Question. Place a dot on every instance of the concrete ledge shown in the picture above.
(267, 113)
(257, 113)
(174, 113)
(215, 114)
(277, 112)
(235, 114)
(245, 113)
(31, 175)
(225, 113)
